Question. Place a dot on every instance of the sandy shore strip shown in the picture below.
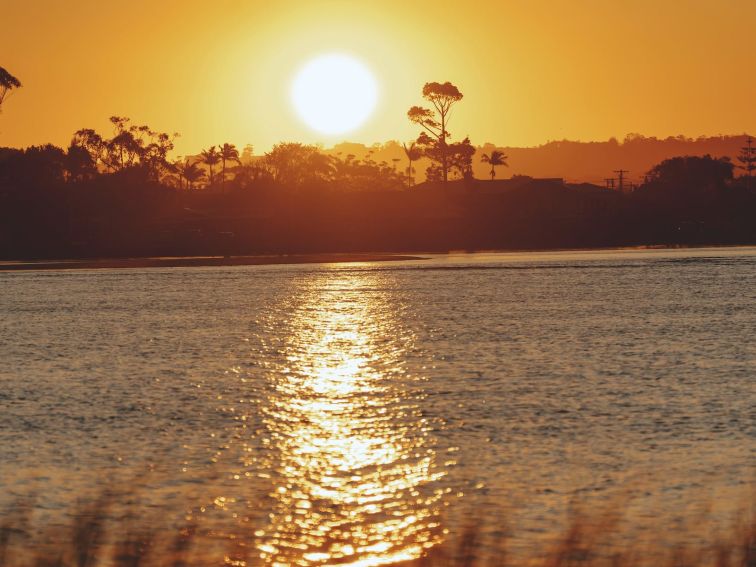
(197, 261)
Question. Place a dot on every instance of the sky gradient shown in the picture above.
(531, 71)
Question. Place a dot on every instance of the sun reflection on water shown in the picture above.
(353, 455)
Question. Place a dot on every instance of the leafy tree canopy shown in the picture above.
(7, 83)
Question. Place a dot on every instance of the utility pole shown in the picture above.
(747, 157)
(621, 174)
(609, 182)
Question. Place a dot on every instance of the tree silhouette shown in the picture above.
(124, 148)
(35, 168)
(154, 155)
(295, 164)
(79, 164)
(496, 157)
(132, 146)
(7, 83)
(210, 157)
(193, 173)
(249, 174)
(247, 153)
(688, 177)
(359, 175)
(413, 153)
(228, 152)
(460, 158)
(442, 97)
(188, 171)
(92, 143)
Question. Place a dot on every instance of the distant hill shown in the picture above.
(574, 161)
(595, 161)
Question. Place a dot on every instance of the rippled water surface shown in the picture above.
(361, 413)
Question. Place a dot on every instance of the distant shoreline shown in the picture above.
(314, 258)
(198, 261)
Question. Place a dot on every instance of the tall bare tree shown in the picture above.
(7, 83)
(442, 97)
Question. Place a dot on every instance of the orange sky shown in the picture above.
(530, 70)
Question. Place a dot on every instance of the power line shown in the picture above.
(621, 173)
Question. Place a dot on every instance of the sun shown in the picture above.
(334, 93)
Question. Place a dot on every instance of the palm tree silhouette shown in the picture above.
(210, 158)
(413, 153)
(192, 172)
(228, 152)
(188, 171)
(496, 157)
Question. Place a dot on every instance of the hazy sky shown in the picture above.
(530, 70)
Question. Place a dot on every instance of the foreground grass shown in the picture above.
(100, 535)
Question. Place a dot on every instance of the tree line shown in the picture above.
(138, 152)
(138, 147)
(122, 193)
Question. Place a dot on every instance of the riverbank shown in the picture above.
(198, 261)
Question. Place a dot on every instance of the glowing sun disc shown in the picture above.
(334, 93)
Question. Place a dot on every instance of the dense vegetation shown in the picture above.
(123, 195)
(125, 198)
(113, 531)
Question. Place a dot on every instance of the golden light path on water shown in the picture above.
(353, 455)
